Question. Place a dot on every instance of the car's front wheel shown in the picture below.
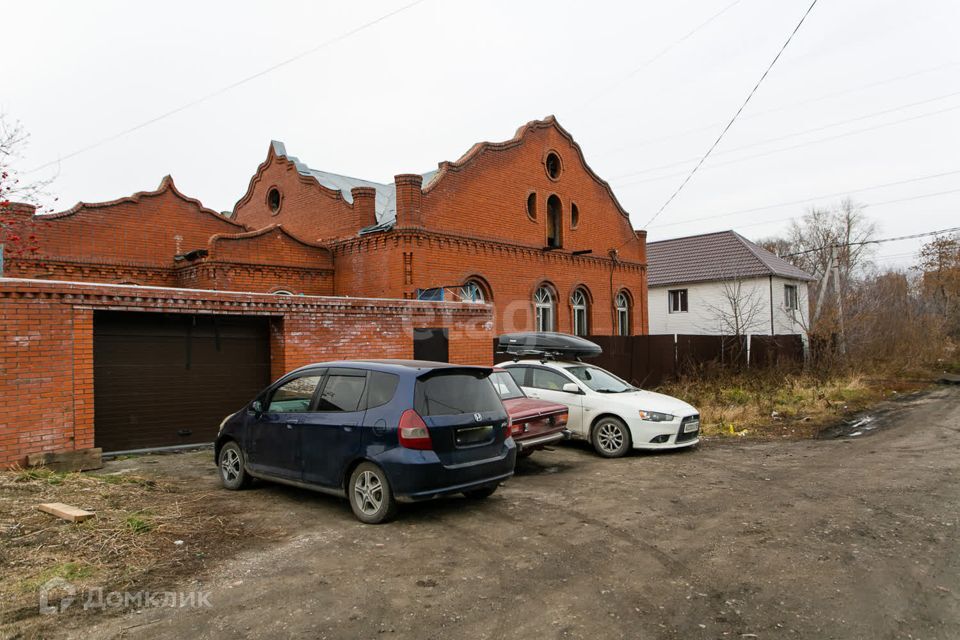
(611, 437)
(370, 495)
(231, 461)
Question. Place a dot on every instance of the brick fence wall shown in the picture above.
(46, 344)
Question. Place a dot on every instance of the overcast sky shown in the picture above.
(868, 93)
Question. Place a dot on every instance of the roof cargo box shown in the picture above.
(547, 343)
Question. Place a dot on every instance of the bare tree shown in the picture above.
(17, 235)
(741, 308)
(776, 246)
(939, 267)
(829, 243)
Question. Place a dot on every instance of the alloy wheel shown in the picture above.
(610, 437)
(368, 491)
(230, 465)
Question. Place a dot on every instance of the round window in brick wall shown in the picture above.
(274, 199)
(553, 165)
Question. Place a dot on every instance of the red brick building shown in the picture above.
(113, 312)
(511, 219)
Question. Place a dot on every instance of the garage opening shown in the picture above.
(431, 344)
(164, 380)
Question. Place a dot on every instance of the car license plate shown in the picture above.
(474, 435)
(691, 426)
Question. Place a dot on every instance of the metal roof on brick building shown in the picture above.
(386, 198)
(714, 256)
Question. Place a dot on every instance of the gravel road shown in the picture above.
(850, 537)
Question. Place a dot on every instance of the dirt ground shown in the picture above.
(851, 536)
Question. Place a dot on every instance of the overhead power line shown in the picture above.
(800, 145)
(735, 115)
(839, 245)
(865, 205)
(801, 133)
(226, 88)
(783, 107)
(657, 56)
(835, 194)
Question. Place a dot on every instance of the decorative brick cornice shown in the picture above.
(165, 185)
(477, 244)
(262, 232)
(70, 266)
(84, 294)
(480, 148)
(278, 153)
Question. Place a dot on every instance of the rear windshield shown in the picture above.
(506, 386)
(445, 394)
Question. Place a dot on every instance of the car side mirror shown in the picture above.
(257, 407)
(571, 387)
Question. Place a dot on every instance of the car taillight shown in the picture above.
(413, 431)
(560, 420)
(513, 428)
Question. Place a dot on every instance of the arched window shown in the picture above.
(623, 314)
(544, 304)
(472, 292)
(532, 206)
(282, 292)
(574, 216)
(579, 302)
(554, 222)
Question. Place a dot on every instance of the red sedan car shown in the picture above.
(534, 423)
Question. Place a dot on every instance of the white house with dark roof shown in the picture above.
(723, 284)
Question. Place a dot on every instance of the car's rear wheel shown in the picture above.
(611, 437)
(370, 495)
(480, 494)
(233, 473)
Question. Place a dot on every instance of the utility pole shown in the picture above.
(836, 288)
(824, 281)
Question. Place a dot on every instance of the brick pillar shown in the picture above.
(641, 243)
(364, 206)
(409, 196)
(17, 210)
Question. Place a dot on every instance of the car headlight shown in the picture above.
(655, 416)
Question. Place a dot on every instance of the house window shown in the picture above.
(574, 216)
(554, 222)
(532, 206)
(543, 303)
(677, 299)
(790, 299)
(471, 292)
(553, 165)
(578, 301)
(623, 314)
(273, 200)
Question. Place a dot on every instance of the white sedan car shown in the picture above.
(612, 414)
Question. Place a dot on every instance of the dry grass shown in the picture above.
(146, 532)
(774, 405)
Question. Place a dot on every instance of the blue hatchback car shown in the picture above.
(375, 431)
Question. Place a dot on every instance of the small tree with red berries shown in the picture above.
(18, 237)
